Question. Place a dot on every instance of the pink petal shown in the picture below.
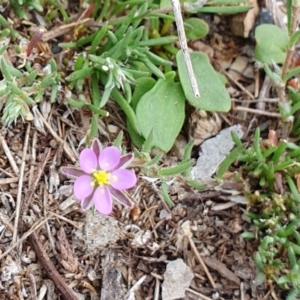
(88, 161)
(87, 203)
(83, 187)
(120, 196)
(102, 200)
(96, 147)
(122, 179)
(109, 158)
(125, 160)
(71, 171)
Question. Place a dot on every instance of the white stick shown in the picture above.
(184, 47)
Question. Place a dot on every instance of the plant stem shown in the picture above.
(291, 50)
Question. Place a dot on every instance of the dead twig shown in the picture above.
(32, 188)
(240, 86)
(256, 111)
(50, 269)
(201, 261)
(32, 286)
(183, 44)
(135, 287)
(66, 220)
(9, 155)
(6, 221)
(201, 296)
(25, 235)
(33, 158)
(242, 291)
(61, 30)
(20, 185)
(9, 180)
(66, 148)
(272, 291)
(157, 289)
(269, 100)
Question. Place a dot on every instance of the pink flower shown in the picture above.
(101, 177)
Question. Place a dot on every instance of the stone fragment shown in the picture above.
(177, 279)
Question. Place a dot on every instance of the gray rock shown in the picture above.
(213, 152)
(177, 279)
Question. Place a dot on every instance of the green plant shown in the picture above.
(274, 211)
(19, 5)
(135, 66)
(21, 89)
(276, 46)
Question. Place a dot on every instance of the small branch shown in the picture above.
(291, 51)
(201, 261)
(66, 148)
(184, 47)
(9, 155)
(240, 86)
(50, 269)
(256, 111)
(25, 236)
(20, 185)
(201, 296)
(269, 100)
(32, 188)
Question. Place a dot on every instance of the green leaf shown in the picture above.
(225, 2)
(164, 192)
(196, 184)
(130, 114)
(148, 143)
(136, 139)
(94, 126)
(75, 103)
(195, 28)
(291, 73)
(80, 74)
(142, 86)
(158, 41)
(213, 94)
(178, 169)
(162, 110)
(271, 44)
(294, 39)
(289, 14)
(230, 158)
(224, 9)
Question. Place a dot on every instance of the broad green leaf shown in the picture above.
(195, 28)
(213, 95)
(271, 44)
(162, 110)
(143, 85)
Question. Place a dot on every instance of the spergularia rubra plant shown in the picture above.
(101, 177)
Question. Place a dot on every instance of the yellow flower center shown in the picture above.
(101, 178)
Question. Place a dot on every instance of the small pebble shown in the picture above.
(219, 223)
(53, 144)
